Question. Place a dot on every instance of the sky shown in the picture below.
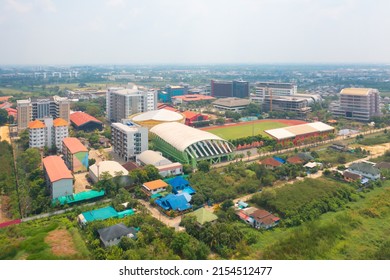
(194, 31)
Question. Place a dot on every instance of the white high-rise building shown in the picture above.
(122, 102)
(266, 89)
(128, 139)
(47, 133)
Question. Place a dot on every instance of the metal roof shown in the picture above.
(108, 166)
(158, 115)
(356, 91)
(181, 136)
(56, 169)
(297, 130)
(153, 158)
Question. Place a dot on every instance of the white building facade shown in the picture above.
(128, 140)
(266, 89)
(47, 133)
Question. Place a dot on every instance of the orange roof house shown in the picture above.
(154, 187)
(74, 145)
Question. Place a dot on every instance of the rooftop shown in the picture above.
(232, 102)
(364, 167)
(125, 128)
(297, 130)
(356, 91)
(152, 157)
(112, 167)
(203, 216)
(193, 97)
(60, 122)
(36, 124)
(190, 114)
(56, 169)
(80, 118)
(116, 231)
(74, 145)
(156, 184)
(271, 161)
(158, 115)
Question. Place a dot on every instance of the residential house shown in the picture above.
(175, 202)
(179, 184)
(154, 187)
(112, 235)
(351, 177)
(270, 163)
(203, 216)
(258, 218)
(365, 169)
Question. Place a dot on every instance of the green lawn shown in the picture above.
(245, 130)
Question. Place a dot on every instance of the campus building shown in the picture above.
(266, 89)
(58, 177)
(189, 145)
(297, 134)
(231, 104)
(121, 102)
(85, 122)
(360, 104)
(47, 133)
(155, 117)
(169, 91)
(293, 104)
(42, 107)
(238, 89)
(164, 166)
(75, 154)
(128, 139)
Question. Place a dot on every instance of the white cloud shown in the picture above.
(18, 6)
(47, 5)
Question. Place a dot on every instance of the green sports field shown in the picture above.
(239, 131)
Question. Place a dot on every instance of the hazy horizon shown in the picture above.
(194, 32)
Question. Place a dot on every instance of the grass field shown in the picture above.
(235, 131)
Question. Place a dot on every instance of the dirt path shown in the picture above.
(170, 222)
(4, 134)
(3, 200)
(80, 182)
(61, 242)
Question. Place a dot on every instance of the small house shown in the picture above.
(258, 218)
(270, 163)
(112, 235)
(154, 187)
(365, 169)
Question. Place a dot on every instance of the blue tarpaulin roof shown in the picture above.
(280, 159)
(100, 214)
(178, 202)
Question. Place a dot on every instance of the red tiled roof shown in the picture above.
(190, 114)
(80, 118)
(264, 217)
(295, 160)
(56, 169)
(60, 122)
(36, 124)
(271, 161)
(166, 106)
(193, 97)
(74, 145)
(5, 98)
(5, 105)
(130, 166)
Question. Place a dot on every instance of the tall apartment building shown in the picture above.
(124, 102)
(41, 107)
(266, 89)
(128, 139)
(359, 104)
(238, 89)
(47, 133)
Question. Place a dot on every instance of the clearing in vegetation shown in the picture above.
(61, 243)
(245, 129)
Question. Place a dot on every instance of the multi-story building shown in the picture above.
(169, 91)
(229, 89)
(128, 139)
(38, 108)
(24, 108)
(124, 102)
(75, 154)
(58, 177)
(298, 105)
(267, 89)
(359, 104)
(47, 133)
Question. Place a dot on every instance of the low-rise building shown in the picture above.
(75, 154)
(154, 187)
(110, 167)
(258, 218)
(365, 169)
(58, 177)
(85, 122)
(231, 104)
(195, 119)
(165, 166)
(112, 235)
(270, 163)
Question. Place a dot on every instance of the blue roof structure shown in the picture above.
(179, 184)
(280, 160)
(189, 190)
(100, 214)
(178, 202)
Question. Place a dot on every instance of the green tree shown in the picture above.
(204, 166)
(3, 117)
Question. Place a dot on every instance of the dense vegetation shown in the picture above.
(305, 200)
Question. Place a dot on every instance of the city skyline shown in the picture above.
(194, 32)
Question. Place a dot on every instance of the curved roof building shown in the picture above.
(189, 145)
(152, 118)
